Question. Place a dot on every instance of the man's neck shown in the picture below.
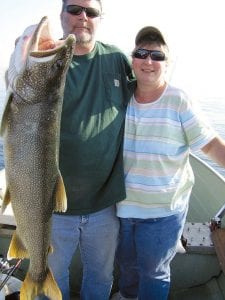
(82, 49)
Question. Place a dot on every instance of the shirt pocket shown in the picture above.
(115, 91)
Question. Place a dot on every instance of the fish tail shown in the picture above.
(31, 289)
(17, 248)
(60, 195)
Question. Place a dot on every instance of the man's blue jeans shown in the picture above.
(146, 248)
(97, 236)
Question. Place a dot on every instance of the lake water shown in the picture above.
(214, 110)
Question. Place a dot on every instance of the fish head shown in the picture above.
(39, 64)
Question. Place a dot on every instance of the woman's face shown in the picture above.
(150, 68)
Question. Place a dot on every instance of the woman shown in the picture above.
(162, 126)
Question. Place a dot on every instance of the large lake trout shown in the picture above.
(30, 128)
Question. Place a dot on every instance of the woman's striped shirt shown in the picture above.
(157, 143)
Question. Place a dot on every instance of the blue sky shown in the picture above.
(195, 31)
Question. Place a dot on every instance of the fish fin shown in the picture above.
(30, 288)
(50, 249)
(4, 119)
(6, 200)
(60, 195)
(3, 184)
(17, 248)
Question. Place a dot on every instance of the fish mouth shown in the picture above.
(42, 43)
(35, 44)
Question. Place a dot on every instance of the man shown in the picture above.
(90, 153)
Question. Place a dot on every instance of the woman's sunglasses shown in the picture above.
(155, 55)
(77, 10)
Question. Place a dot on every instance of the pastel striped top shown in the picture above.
(158, 139)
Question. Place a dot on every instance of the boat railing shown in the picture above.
(216, 220)
(218, 236)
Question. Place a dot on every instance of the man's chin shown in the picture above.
(83, 39)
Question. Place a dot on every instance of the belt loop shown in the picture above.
(84, 219)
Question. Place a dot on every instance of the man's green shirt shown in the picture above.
(92, 127)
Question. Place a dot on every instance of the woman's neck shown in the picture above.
(147, 94)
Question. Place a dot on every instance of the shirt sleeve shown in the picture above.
(197, 129)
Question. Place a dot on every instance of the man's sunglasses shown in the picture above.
(77, 10)
(155, 55)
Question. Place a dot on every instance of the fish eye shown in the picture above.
(59, 63)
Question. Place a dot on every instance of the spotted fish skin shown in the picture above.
(30, 129)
